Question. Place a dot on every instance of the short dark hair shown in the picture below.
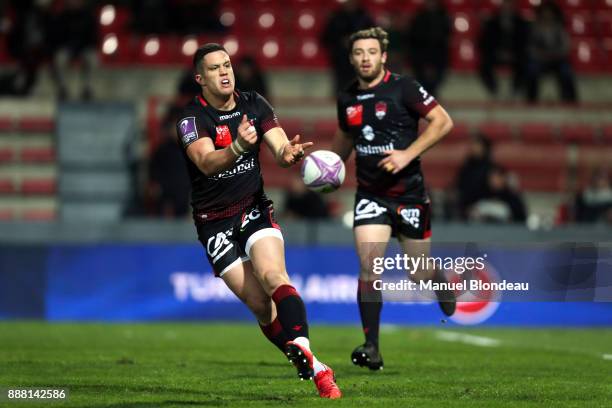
(376, 33)
(202, 51)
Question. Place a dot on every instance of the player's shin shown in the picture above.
(275, 333)
(370, 305)
(291, 312)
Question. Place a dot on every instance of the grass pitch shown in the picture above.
(232, 365)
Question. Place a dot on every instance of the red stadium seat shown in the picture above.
(37, 155)
(578, 134)
(325, 129)
(6, 124)
(306, 21)
(606, 134)
(461, 5)
(35, 125)
(463, 54)
(459, 134)
(38, 187)
(465, 24)
(273, 51)
(294, 127)
(496, 131)
(309, 53)
(537, 133)
(113, 18)
(7, 186)
(581, 24)
(38, 215)
(586, 55)
(118, 48)
(570, 6)
(7, 214)
(6, 155)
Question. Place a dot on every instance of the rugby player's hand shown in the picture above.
(395, 161)
(247, 135)
(294, 151)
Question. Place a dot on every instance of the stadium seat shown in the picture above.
(309, 53)
(38, 215)
(571, 6)
(6, 125)
(38, 187)
(586, 55)
(325, 129)
(7, 186)
(28, 124)
(113, 18)
(580, 24)
(579, 134)
(606, 134)
(459, 134)
(7, 214)
(461, 5)
(6, 155)
(463, 54)
(37, 155)
(294, 127)
(538, 133)
(465, 24)
(496, 131)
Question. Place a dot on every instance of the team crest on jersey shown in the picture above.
(354, 115)
(380, 109)
(224, 137)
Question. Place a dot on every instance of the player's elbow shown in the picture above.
(447, 126)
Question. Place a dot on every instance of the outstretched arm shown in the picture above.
(286, 152)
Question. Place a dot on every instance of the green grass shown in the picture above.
(205, 365)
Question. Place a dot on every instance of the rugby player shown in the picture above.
(222, 131)
(378, 116)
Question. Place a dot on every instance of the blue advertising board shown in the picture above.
(127, 282)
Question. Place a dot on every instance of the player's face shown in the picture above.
(217, 74)
(367, 58)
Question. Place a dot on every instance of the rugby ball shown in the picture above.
(323, 171)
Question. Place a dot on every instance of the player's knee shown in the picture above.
(271, 278)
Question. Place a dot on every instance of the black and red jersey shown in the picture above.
(385, 117)
(243, 180)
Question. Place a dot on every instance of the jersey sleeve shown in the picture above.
(341, 112)
(190, 128)
(416, 98)
(265, 113)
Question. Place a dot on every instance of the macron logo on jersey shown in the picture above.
(365, 96)
(231, 115)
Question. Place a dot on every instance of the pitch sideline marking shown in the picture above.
(471, 339)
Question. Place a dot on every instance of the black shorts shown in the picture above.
(409, 220)
(227, 241)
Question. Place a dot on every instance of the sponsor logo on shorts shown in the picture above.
(218, 245)
(366, 209)
(411, 215)
(251, 216)
(188, 130)
(365, 96)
